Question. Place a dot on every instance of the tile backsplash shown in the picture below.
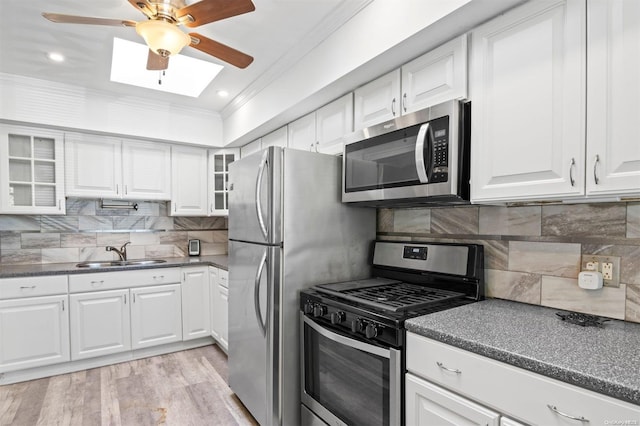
(533, 253)
(86, 229)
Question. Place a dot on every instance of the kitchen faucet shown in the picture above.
(122, 253)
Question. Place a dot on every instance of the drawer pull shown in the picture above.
(27, 287)
(97, 283)
(158, 277)
(568, 416)
(452, 370)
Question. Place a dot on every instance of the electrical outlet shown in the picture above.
(607, 271)
(592, 266)
(609, 266)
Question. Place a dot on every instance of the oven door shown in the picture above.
(349, 382)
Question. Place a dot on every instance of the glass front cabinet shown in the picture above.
(31, 171)
(219, 161)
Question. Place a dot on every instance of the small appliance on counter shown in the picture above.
(194, 247)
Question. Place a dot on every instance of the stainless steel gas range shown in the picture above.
(352, 333)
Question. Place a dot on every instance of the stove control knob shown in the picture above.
(356, 325)
(308, 308)
(337, 317)
(371, 331)
(319, 310)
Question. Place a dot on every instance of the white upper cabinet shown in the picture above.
(106, 167)
(275, 138)
(188, 181)
(437, 76)
(250, 148)
(377, 101)
(333, 122)
(613, 89)
(219, 161)
(31, 171)
(527, 87)
(146, 170)
(323, 130)
(302, 133)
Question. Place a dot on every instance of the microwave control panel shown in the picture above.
(439, 135)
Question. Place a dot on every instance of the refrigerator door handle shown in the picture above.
(263, 164)
(256, 294)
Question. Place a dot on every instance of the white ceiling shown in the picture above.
(276, 34)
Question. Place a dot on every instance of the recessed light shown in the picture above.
(223, 93)
(55, 57)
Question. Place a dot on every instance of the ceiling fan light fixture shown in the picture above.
(162, 37)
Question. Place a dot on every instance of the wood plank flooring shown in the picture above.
(182, 388)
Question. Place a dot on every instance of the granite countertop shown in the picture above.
(603, 359)
(13, 271)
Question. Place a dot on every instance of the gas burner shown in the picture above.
(584, 320)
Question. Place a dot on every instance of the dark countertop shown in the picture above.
(603, 359)
(13, 271)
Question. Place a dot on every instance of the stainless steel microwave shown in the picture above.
(416, 159)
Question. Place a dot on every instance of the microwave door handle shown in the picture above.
(256, 294)
(263, 164)
(421, 139)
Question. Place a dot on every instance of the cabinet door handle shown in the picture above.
(59, 205)
(568, 416)
(571, 165)
(404, 102)
(451, 370)
(134, 298)
(125, 298)
(117, 189)
(595, 169)
(393, 107)
(62, 305)
(317, 143)
(125, 190)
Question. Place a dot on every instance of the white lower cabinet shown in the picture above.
(34, 331)
(100, 323)
(218, 280)
(196, 303)
(428, 404)
(156, 315)
(473, 378)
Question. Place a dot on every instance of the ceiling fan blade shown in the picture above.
(220, 51)
(156, 62)
(72, 19)
(143, 6)
(206, 11)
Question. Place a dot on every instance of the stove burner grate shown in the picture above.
(399, 296)
(585, 320)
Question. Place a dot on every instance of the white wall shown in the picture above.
(64, 106)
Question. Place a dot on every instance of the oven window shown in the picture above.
(385, 161)
(351, 383)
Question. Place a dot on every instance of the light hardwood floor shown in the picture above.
(182, 388)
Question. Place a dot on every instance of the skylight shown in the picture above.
(185, 76)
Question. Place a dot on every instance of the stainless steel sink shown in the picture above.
(119, 263)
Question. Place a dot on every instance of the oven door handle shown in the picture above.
(421, 139)
(352, 343)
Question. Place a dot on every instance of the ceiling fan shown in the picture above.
(161, 33)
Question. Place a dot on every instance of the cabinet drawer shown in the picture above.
(12, 288)
(223, 277)
(470, 374)
(122, 279)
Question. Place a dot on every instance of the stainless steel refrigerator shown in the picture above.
(288, 230)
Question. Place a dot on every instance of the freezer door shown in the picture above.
(253, 353)
(254, 197)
